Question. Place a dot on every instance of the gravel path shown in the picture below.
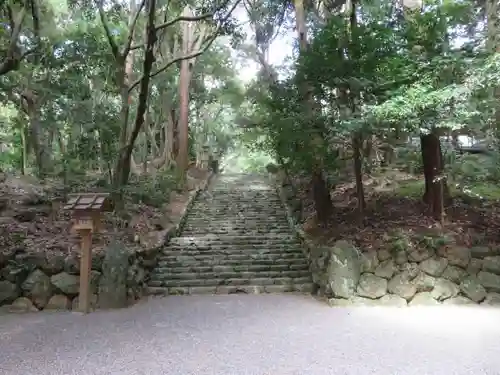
(254, 335)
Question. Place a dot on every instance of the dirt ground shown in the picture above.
(30, 221)
(394, 208)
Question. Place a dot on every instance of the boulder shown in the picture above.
(444, 289)
(8, 291)
(6, 255)
(384, 255)
(54, 264)
(72, 264)
(419, 255)
(353, 301)
(21, 305)
(32, 260)
(473, 289)
(371, 286)
(454, 273)
(401, 258)
(492, 264)
(15, 273)
(458, 300)
(113, 280)
(343, 269)
(58, 302)
(424, 282)
(402, 286)
(482, 252)
(434, 266)
(423, 299)
(475, 265)
(76, 301)
(457, 256)
(490, 281)
(386, 269)
(38, 288)
(66, 283)
(392, 300)
(369, 261)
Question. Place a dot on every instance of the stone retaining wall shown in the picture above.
(425, 272)
(31, 281)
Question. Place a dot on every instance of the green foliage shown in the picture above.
(79, 109)
(152, 190)
(472, 169)
(399, 241)
(247, 160)
(409, 159)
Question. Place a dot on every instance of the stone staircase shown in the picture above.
(236, 240)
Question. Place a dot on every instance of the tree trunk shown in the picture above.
(368, 154)
(122, 169)
(357, 143)
(322, 200)
(321, 196)
(183, 125)
(24, 151)
(436, 189)
(37, 140)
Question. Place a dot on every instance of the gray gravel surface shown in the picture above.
(252, 334)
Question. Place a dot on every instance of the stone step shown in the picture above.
(262, 188)
(162, 274)
(191, 231)
(230, 208)
(226, 261)
(238, 257)
(236, 268)
(208, 240)
(242, 215)
(262, 228)
(219, 199)
(231, 289)
(236, 240)
(238, 211)
(225, 250)
(256, 202)
(237, 223)
(233, 245)
(231, 281)
(228, 221)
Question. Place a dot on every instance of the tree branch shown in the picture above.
(184, 18)
(137, 46)
(131, 28)
(192, 55)
(176, 60)
(111, 41)
(11, 61)
(192, 18)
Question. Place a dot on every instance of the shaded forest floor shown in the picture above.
(395, 212)
(31, 223)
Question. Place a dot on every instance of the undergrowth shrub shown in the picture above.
(472, 168)
(153, 190)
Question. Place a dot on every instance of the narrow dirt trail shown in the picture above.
(252, 335)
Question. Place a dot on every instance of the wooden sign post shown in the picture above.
(87, 209)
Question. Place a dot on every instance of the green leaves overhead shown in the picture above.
(376, 70)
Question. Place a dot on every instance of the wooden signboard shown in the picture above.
(86, 209)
